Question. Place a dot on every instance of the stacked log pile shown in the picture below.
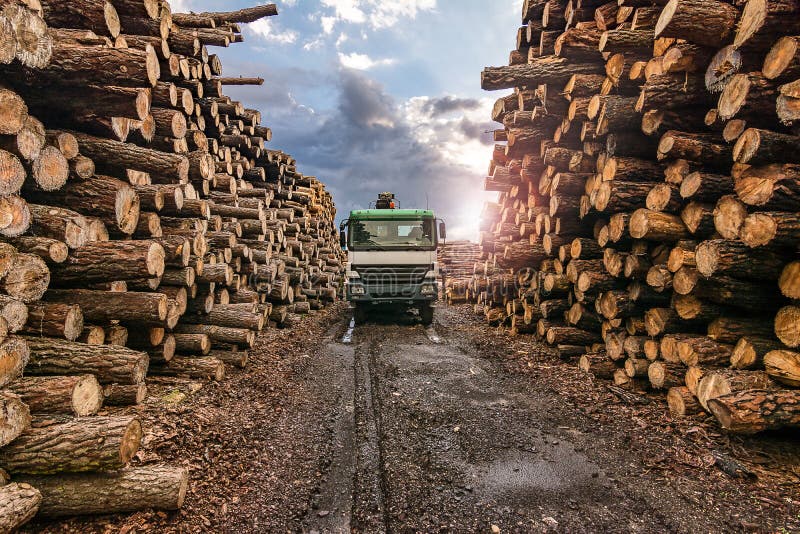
(145, 229)
(649, 196)
(456, 265)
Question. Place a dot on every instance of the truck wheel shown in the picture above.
(360, 314)
(426, 314)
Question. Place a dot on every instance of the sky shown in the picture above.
(378, 95)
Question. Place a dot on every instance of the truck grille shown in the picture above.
(392, 280)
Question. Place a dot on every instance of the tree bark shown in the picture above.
(110, 261)
(104, 306)
(703, 351)
(708, 23)
(18, 504)
(128, 490)
(750, 412)
(544, 70)
(108, 363)
(206, 368)
(69, 395)
(682, 403)
(719, 383)
(117, 157)
(85, 444)
(54, 320)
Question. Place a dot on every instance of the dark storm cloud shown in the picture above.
(365, 144)
(448, 104)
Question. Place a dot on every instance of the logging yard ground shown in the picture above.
(453, 428)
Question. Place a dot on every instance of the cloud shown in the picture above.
(426, 150)
(449, 104)
(377, 14)
(267, 30)
(362, 61)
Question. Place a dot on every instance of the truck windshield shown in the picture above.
(416, 234)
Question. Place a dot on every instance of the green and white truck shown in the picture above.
(392, 260)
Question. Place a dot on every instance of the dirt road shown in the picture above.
(451, 428)
(439, 437)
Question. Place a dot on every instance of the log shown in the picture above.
(789, 281)
(54, 320)
(109, 261)
(749, 352)
(115, 157)
(750, 412)
(128, 490)
(758, 147)
(104, 306)
(599, 365)
(79, 395)
(113, 201)
(732, 258)
(703, 351)
(783, 366)
(719, 383)
(682, 403)
(787, 326)
(108, 363)
(206, 367)
(781, 229)
(664, 375)
(708, 23)
(772, 187)
(544, 70)
(119, 395)
(28, 278)
(219, 334)
(19, 502)
(80, 445)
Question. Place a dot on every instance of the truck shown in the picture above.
(392, 259)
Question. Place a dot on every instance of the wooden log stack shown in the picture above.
(456, 265)
(648, 187)
(145, 229)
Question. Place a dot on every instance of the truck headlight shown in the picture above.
(428, 290)
(357, 290)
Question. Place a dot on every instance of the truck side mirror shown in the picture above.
(343, 239)
(442, 230)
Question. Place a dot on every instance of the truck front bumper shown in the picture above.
(427, 292)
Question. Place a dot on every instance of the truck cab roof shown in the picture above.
(390, 214)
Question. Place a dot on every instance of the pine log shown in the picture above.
(598, 364)
(758, 147)
(782, 63)
(115, 157)
(703, 351)
(85, 444)
(721, 256)
(783, 366)
(79, 395)
(54, 320)
(206, 367)
(664, 375)
(708, 23)
(19, 502)
(108, 363)
(120, 395)
(682, 403)
(716, 384)
(544, 70)
(104, 306)
(109, 261)
(750, 412)
(128, 490)
(28, 278)
(787, 326)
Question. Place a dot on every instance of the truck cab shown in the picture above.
(392, 260)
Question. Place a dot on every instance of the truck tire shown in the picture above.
(359, 314)
(426, 314)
